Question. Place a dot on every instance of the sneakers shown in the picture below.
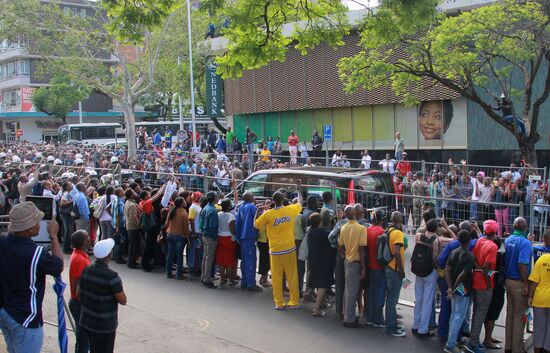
(280, 308)
(379, 325)
(398, 333)
(210, 285)
(451, 350)
(471, 349)
(295, 306)
(255, 289)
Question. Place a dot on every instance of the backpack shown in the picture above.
(100, 207)
(422, 262)
(37, 189)
(383, 252)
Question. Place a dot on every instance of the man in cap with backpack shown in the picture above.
(422, 265)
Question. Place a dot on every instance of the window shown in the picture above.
(24, 67)
(83, 13)
(11, 98)
(255, 185)
(92, 133)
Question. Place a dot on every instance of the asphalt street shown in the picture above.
(167, 315)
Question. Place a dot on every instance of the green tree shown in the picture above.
(82, 50)
(60, 97)
(498, 49)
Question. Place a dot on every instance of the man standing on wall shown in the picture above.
(229, 137)
(293, 147)
(399, 145)
(251, 137)
(317, 144)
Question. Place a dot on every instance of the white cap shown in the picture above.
(114, 159)
(57, 162)
(15, 159)
(78, 161)
(103, 248)
(3, 155)
(78, 156)
(26, 163)
(38, 154)
(90, 171)
(50, 158)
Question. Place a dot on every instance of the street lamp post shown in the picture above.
(191, 83)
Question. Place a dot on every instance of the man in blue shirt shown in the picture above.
(157, 138)
(168, 137)
(81, 203)
(539, 250)
(23, 269)
(247, 236)
(517, 263)
(208, 224)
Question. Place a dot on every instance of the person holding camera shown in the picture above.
(23, 269)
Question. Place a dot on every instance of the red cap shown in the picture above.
(196, 196)
(490, 226)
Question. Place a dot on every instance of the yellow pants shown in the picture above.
(286, 265)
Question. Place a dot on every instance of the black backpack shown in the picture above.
(422, 262)
(383, 252)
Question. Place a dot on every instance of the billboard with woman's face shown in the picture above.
(442, 124)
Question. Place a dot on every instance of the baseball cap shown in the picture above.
(103, 248)
(490, 226)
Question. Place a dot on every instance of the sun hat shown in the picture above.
(103, 248)
(24, 216)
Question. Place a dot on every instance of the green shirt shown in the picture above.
(229, 136)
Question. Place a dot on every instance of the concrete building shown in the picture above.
(303, 93)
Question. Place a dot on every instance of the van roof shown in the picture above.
(328, 171)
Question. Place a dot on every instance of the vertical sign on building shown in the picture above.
(214, 99)
(26, 99)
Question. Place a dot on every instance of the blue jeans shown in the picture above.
(250, 149)
(393, 289)
(424, 290)
(459, 310)
(82, 345)
(375, 297)
(398, 156)
(248, 263)
(192, 263)
(438, 209)
(444, 310)
(175, 243)
(20, 339)
(473, 211)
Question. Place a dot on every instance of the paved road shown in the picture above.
(182, 316)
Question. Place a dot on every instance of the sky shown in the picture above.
(357, 4)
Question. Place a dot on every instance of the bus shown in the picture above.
(90, 133)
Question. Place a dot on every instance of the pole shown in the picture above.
(191, 83)
(180, 109)
(80, 112)
(326, 153)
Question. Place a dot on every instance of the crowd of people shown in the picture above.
(304, 250)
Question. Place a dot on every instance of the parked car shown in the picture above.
(348, 185)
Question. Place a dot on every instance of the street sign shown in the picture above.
(327, 131)
(19, 133)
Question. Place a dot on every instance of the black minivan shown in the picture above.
(368, 187)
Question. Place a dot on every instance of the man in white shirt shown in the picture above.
(366, 159)
(388, 164)
(49, 192)
(476, 192)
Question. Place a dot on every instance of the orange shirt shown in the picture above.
(293, 140)
(146, 206)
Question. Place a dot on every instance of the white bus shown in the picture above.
(91, 133)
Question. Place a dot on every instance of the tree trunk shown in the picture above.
(129, 110)
(219, 126)
(528, 151)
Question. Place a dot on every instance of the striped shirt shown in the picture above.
(23, 269)
(98, 286)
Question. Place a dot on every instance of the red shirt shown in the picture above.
(293, 140)
(79, 261)
(404, 167)
(146, 206)
(373, 232)
(485, 252)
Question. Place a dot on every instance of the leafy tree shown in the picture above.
(82, 50)
(498, 49)
(60, 97)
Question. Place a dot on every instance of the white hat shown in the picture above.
(3, 154)
(15, 159)
(26, 163)
(114, 159)
(78, 161)
(38, 155)
(68, 175)
(57, 162)
(50, 158)
(103, 248)
(78, 156)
